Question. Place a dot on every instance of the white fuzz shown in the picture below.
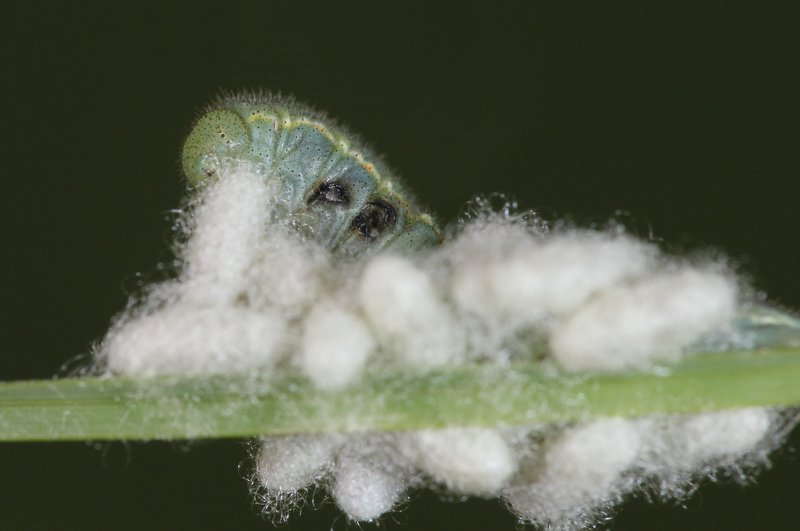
(685, 442)
(510, 280)
(228, 230)
(601, 300)
(288, 273)
(473, 461)
(253, 296)
(406, 313)
(335, 346)
(679, 450)
(203, 323)
(289, 463)
(529, 282)
(654, 317)
(576, 473)
(366, 483)
(184, 339)
(478, 258)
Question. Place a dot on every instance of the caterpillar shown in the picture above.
(349, 198)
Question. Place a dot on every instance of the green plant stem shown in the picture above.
(243, 406)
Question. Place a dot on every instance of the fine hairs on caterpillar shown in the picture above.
(302, 253)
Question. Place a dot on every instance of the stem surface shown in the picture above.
(245, 406)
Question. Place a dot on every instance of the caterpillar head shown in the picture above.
(343, 194)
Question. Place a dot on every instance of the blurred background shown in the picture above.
(683, 116)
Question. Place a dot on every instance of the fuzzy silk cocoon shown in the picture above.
(252, 294)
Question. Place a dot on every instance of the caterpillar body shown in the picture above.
(345, 195)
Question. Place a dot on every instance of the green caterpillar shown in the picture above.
(345, 196)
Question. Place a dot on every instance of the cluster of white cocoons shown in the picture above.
(565, 477)
(252, 296)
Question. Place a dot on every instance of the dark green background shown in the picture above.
(684, 116)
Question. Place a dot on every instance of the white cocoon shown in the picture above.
(477, 257)
(608, 302)
(577, 472)
(688, 441)
(287, 273)
(472, 461)
(405, 311)
(334, 347)
(365, 488)
(289, 463)
(227, 232)
(655, 317)
(185, 339)
(533, 279)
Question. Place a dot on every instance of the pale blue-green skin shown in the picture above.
(301, 151)
(768, 327)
